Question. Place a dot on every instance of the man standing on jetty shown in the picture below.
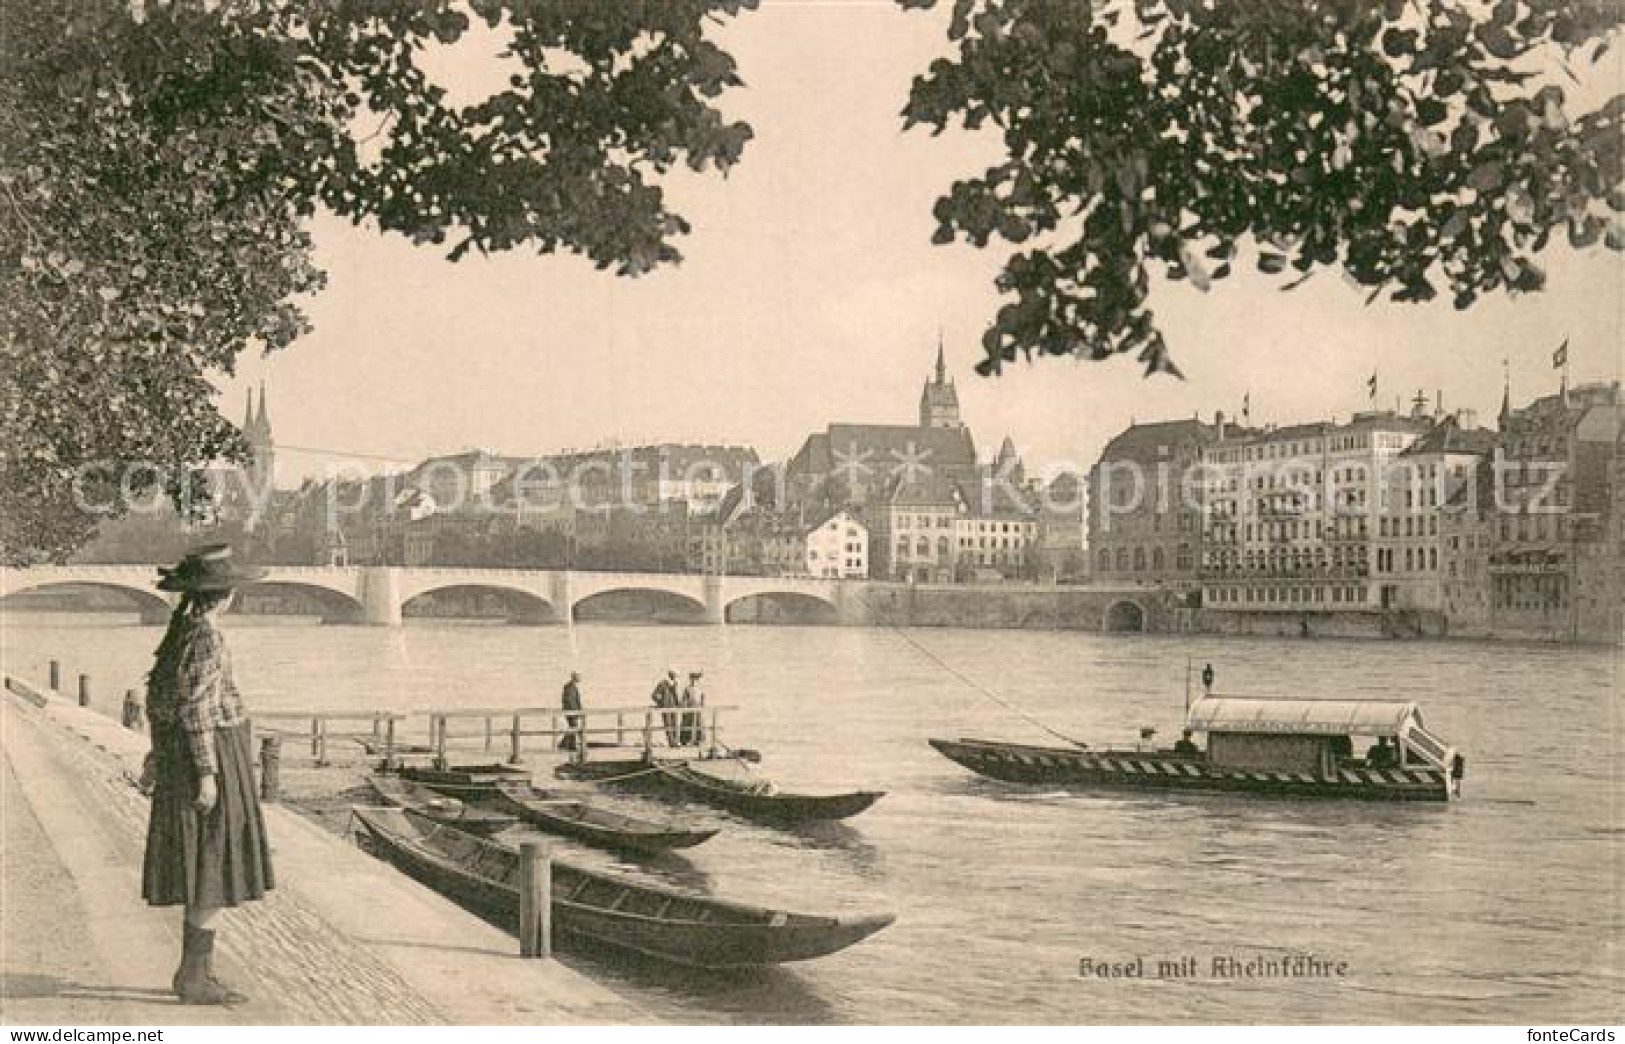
(666, 695)
(571, 698)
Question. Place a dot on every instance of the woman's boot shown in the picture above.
(194, 985)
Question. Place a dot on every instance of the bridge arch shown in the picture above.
(639, 605)
(1124, 616)
(781, 607)
(285, 596)
(153, 607)
(480, 600)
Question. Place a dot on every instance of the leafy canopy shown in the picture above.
(157, 162)
(1413, 144)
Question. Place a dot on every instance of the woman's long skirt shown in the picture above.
(205, 860)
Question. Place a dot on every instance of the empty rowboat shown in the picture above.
(754, 798)
(608, 909)
(596, 826)
(466, 782)
(402, 794)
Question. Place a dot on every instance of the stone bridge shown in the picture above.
(377, 595)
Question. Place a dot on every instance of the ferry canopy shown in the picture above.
(1298, 717)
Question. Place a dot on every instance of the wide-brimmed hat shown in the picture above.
(210, 568)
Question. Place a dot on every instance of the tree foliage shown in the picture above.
(158, 162)
(1416, 145)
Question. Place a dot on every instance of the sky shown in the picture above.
(810, 293)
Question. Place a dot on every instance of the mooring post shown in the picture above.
(488, 732)
(84, 690)
(132, 710)
(535, 899)
(648, 735)
(56, 676)
(321, 743)
(271, 768)
(513, 755)
(389, 743)
(437, 727)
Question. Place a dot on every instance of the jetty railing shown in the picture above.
(643, 725)
(380, 730)
(678, 728)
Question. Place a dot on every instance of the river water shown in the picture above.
(1508, 906)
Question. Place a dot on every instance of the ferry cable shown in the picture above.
(971, 683)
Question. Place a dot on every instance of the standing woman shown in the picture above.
(206, 844)
(694, 696)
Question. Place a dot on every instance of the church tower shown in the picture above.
(257, 429)
(939, 402)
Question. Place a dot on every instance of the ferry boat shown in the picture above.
(1277, 747)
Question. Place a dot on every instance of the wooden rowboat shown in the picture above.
(466, 782)
(402, 794)
(756, 799)
(595, 826)
(608, 909)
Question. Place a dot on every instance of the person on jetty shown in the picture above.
(1186, 745)
(694, 696)
(666, 695)
(206, 843)
(571, 700)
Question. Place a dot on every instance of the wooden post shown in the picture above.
(271, 768)
(649, 735)
(535, 899)
(84, 690)
(620, 729)
(514, 755)
(716, 738)
(316, 739)
(437, 728)
(389, 743)
(56, 676)
(488, 732)
(132, 710)
(321, 743)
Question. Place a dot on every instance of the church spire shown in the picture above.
(939, 402)
(1506, 396)
(264, 419)
(248, 409)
